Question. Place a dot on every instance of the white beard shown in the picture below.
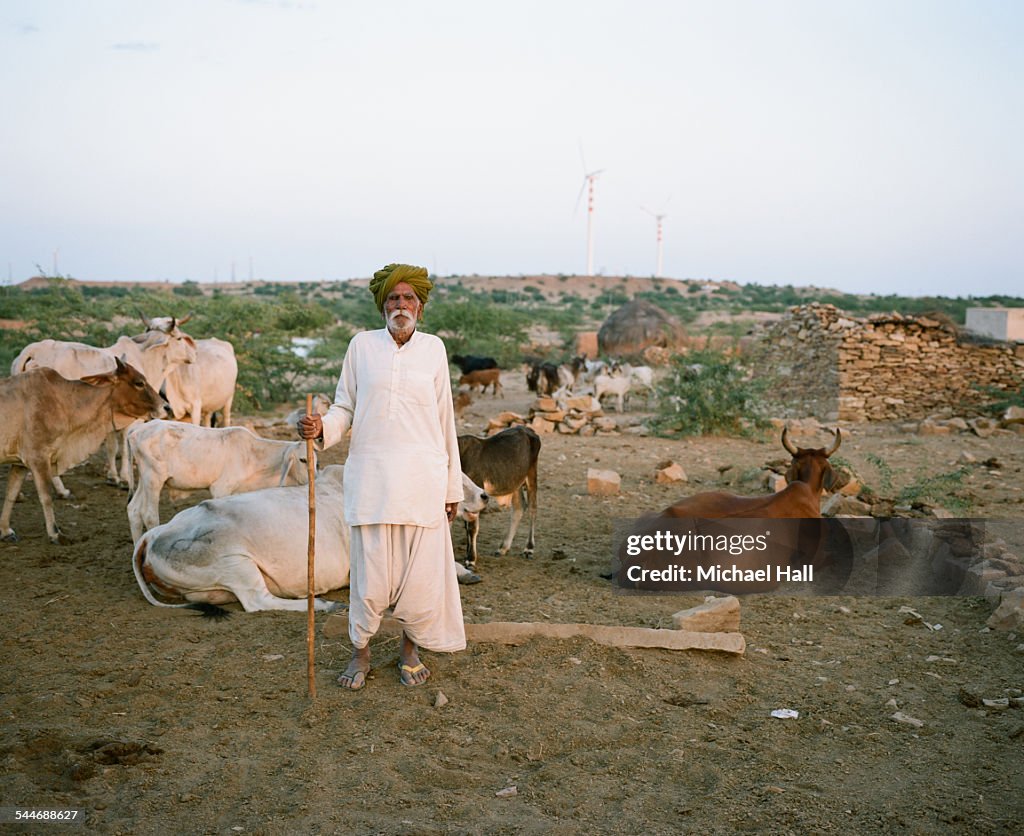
(401, 323)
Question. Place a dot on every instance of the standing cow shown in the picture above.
(49, 424)
(155, 353)
(198, 390)
(223, 460)
(503, 465)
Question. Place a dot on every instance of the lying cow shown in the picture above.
(49, 424)
(483, 379)
(225, 460)
(809, 474)
(790, 520)
(504, 465)
(252, 548)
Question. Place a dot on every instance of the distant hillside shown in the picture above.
(719, 306)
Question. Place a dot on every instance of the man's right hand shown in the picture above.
(311, 426)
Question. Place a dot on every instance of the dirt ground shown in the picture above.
(157, 721)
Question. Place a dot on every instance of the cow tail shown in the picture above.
(129, 455)
(138, 558)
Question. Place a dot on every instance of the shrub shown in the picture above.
(706, 392)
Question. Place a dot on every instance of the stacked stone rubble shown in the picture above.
(885, 367)
(581, 415)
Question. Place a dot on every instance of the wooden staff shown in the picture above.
(311, 554)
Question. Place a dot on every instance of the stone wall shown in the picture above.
(885, 367)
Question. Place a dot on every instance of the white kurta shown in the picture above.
(402, 467)
(403, 462)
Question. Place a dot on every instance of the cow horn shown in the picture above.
(145, 321)
(186, 318)
(786, 442)
(834, 447)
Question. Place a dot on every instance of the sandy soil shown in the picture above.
(157, 721)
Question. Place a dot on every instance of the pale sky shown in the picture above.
(870, 146)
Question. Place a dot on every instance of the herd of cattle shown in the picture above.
(65, 400)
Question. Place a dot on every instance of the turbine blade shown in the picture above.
(583, 185)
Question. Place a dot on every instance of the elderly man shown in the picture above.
(403, 479)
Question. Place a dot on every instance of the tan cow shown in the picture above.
(155, 353)
(49, 424)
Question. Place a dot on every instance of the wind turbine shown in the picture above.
(658, 218)
(588, 183)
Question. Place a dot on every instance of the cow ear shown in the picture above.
(830, 480)
(121, 362)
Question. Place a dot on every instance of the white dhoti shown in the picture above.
(411, 569)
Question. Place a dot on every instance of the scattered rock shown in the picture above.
(715, 615)
(603, 482)
(907, 720)
(668, 472)
(1009, 615)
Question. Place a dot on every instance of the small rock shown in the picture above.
(983, 427)
(967, 698)
(907, 720)
(440, 700)
(715, 615)
(1000, 704)
(668, 472)
(602, 482)
(946, 660)
(272, 657)
(508, 792)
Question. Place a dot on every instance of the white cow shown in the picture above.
(206, 386)
(252, 547)
(224, 460)
(607, 385)
(154, 353)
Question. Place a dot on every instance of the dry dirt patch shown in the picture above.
(156, 721)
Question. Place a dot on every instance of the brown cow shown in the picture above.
(49, 423)
(809, 473)
(483, 378)
(795, 537)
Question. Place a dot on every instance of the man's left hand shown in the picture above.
(450, 510)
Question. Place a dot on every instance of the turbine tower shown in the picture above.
(588, 183)
(658, 217)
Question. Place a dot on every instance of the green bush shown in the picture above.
(706, 392)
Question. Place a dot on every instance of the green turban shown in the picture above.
(386, 278)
